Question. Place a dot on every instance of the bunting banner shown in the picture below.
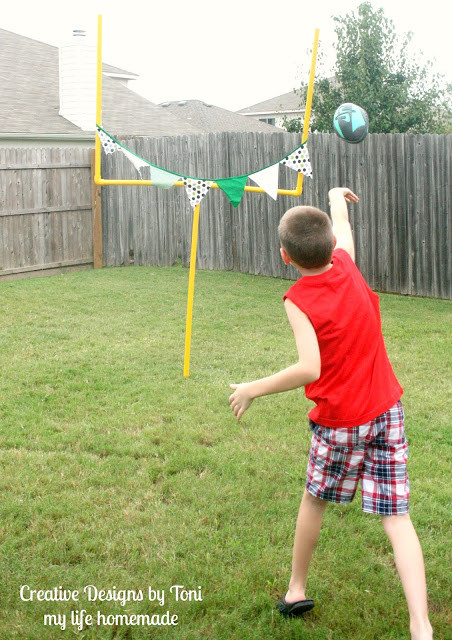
(196, 188)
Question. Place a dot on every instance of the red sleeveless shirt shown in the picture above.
(357, 382)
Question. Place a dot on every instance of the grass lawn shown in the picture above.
(118, 472)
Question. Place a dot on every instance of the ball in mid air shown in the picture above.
(351, 123)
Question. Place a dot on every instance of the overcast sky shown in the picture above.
(232, 54)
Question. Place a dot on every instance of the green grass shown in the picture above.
(118, 471)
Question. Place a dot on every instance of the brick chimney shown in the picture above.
(78, 81)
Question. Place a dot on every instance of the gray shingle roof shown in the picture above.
(29, 99)
(124, 112)
(29, 96)
(207, 117)
(285, 102)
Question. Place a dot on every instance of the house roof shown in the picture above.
(124, 112)
(29, 96)
(208, 117)
(285, 102)
(108, 68)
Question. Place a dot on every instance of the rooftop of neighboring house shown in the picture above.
(208, 117)
(280, 104)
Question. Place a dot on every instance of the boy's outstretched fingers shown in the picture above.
(239, 400)
(233, 401)
(350, 196)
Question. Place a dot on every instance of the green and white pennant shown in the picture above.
(109, 145)
(299, 161)
(196, 189)
(137, 162)
(267, 179)
(233, 188)
(162, 178)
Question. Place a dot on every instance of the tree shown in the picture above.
(375, 69)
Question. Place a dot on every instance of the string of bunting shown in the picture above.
(197, 188)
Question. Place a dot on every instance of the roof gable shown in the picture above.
(210, 118)
(286, 102)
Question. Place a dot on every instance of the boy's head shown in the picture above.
(306, 235)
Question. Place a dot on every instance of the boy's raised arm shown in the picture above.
(339, 197)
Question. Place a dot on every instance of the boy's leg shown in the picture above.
(385, 488)
(410, 566)
(334, 468)
(307, 532)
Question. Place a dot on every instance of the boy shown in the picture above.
(357, 423)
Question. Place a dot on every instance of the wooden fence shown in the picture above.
(45, 211)
(402, 225)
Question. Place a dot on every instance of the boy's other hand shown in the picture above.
(241, 399)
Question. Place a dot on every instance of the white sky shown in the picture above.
(232, 54)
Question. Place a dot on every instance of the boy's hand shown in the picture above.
(241, 399)
(345, 192)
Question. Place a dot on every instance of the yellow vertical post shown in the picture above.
(307, 110)
(191, 290)
(97, 175)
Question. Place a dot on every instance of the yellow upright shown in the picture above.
(97, 165)
(191, 290)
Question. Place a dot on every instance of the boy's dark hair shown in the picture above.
(306, 233)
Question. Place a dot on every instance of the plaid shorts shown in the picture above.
(375, 451)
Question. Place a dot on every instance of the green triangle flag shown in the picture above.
(162, 178)
(233, 188)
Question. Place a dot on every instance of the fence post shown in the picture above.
(96, 199)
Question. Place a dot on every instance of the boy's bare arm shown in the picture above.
(339, 197)
(305, 371)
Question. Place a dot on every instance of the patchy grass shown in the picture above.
(119, 472)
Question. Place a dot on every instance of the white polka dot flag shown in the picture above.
(299, 161)
(108, 144)
(196, 189)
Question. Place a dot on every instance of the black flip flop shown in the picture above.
(294, 609)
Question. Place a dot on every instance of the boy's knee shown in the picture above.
(314, 501)
(392, 523)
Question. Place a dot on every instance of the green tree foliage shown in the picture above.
(376, 69)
